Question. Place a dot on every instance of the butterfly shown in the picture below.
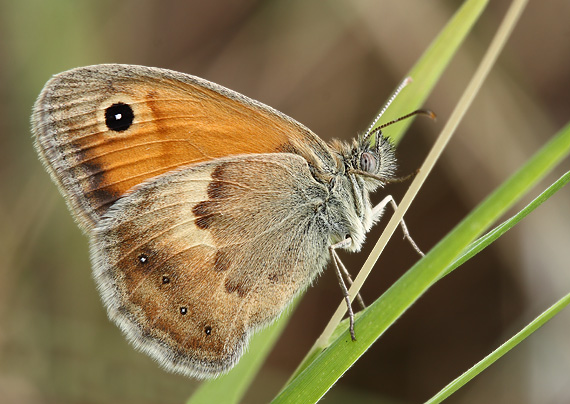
(207, 212)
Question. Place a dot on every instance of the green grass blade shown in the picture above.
(313, 382)
(498, 231)
(499, 352)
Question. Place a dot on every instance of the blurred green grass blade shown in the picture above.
(430, 66)
(498, 231)
(499, 352)
(231, 387)
(315, 380)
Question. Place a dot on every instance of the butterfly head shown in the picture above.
(371, 160)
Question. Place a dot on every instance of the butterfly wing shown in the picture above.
(101, 130)
(193, 261)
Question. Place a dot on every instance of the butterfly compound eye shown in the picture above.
(368, 162)
(119, 117)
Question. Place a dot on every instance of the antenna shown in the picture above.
(426, 112)
(403, 84)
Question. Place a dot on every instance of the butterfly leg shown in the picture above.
(378, 210)
(345, 271)
(340, 269)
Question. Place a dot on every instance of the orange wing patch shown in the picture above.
(104, 129)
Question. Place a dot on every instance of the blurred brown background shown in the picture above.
(330, 65)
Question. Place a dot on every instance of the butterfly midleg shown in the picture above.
(379, 209)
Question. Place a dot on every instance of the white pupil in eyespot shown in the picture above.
(118, 117)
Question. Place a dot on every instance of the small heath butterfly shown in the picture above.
(207, 212)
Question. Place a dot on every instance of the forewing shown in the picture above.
(101, 130)
(192, 262)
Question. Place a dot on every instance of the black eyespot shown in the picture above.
(368, 162)
(165, 279)
(143, 259)
(119, 117)
(183, 311)
(208, 330)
